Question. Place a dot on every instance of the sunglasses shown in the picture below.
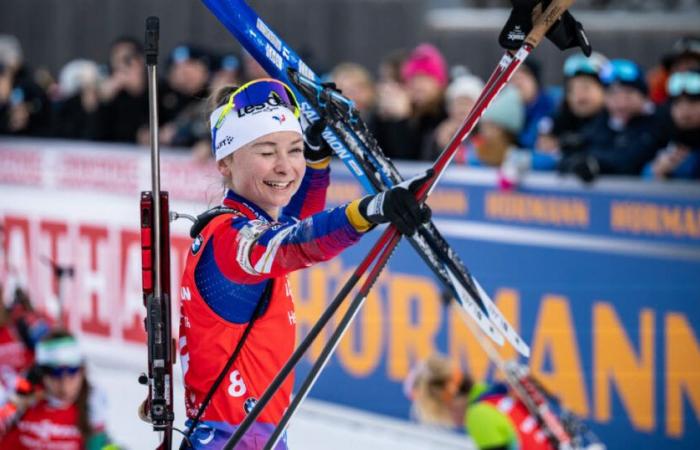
(60, 371)
(687, 83)
(255, 93)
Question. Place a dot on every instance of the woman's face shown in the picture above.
(64, 385)
(424, 90)
(267, 171)
(585, 96)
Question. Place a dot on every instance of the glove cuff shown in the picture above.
(320, 164)
(356, 217)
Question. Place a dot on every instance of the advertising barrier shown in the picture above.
(602, 281)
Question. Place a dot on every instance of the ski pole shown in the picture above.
(306, 343)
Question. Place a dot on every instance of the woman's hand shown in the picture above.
(398, 205)
(316, 150)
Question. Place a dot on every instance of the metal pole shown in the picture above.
(151, 50)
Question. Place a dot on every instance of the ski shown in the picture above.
(354, 145)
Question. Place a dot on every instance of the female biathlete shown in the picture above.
(235, 296)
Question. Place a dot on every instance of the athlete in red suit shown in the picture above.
(64, 412)
(275, 225)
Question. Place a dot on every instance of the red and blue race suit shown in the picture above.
(226, 272)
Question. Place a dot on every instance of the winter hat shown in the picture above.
(685, 47)
(59, 352)
(628, 73)
(596, 66)
(464, 86)
(77, 74)
(507, 110)
(266, 109)
(425, 59)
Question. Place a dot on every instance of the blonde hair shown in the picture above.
(436, 382)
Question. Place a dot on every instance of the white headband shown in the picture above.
(243, 126)
(59, 352)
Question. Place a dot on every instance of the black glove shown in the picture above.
(398, 205)
(519, 24)
(316, 149)
(584, 166)
(565, 33)
(568, 33)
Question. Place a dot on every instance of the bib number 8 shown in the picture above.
(237, 387)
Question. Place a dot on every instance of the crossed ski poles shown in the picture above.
(386, 244)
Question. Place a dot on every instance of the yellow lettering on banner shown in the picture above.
(614, 360)
(452, 201)
(555, 337)
(308, 309)
(682, 371)
(411, 341)
(653, 219)
(464, 348)
(540, 209)
(368, 323)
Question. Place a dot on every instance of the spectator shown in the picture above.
(461, 95)
(183, 102)
(123, 110)
(75, 111)
(68, 409)
(584, 100)
(20, 330)
(684, 56)
(226, 72)
(444, 396)
(539, 104)
(408, 114)
(356, 84)
(624, 138)
(680, 157)
(499, 128)
(24, 107)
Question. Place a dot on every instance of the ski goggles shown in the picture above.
(625, 71)
(684, 83)
(595, 65)
(628, 73)
(264, 91)
(59, 371)
(260, 92)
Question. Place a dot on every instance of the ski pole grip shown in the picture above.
(546, 20)
(151, 42)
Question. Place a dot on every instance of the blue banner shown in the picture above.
(602, 283)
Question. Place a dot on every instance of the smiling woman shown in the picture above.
(237, 324)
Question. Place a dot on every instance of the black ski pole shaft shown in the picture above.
(335, 338)
(306, 343)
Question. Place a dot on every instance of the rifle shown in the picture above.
(155, 260)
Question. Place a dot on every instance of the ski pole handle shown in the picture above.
(542, 23)
(151, 41)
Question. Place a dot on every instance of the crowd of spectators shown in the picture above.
(608, 116)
